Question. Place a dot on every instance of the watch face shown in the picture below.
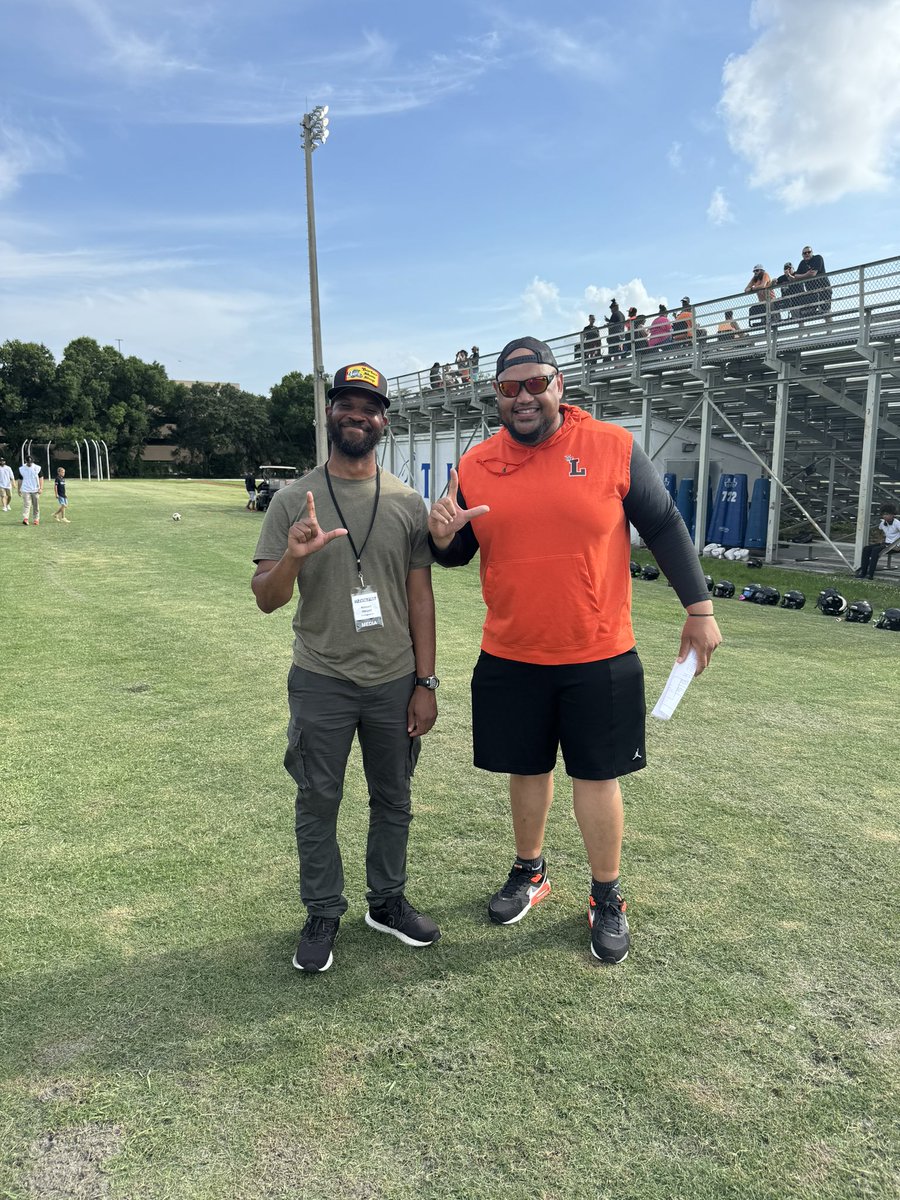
(430, 682)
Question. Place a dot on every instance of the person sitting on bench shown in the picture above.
(888, 533)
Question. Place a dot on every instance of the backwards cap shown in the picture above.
(540, 352)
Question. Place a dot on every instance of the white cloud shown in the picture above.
(126, 50)
(541, 301)
(553, 314)
(87, 265)
(247, 337)
(673, 156)
(631, 294)
(27, 152)
(719, 210)
(813, 105)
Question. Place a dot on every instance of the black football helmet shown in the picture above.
(650, 572)
(754, 562)
(635, 569)
(889, 619)
(793, 599)
(749, 592)
(709, 582)
(767, 595)
(859, 611)
(724, 589)
(831, 603)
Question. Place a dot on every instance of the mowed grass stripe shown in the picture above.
(747, 1047)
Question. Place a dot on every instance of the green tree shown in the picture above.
(220, 427)
(293, 416)
(26, 379)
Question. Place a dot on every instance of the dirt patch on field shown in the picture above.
(69, 1163)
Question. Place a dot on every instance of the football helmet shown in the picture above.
(831, 603)
(754, 562)
(709, 582)
(767, 595)
(650, 572)
(724, 589)
(859, 611)
(749, 592)
(635, 569)
(793, 599)
(889, 619)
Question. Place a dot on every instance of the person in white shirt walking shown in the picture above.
(6, 485)
(30, 487)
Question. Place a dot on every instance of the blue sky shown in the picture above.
(492, 170)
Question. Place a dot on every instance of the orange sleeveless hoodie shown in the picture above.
(555, 547)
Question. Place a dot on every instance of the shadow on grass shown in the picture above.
(243, 996)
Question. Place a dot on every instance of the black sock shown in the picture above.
(531, 864)
(600, 891)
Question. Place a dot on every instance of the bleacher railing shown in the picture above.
(852, 306)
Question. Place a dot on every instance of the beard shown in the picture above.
(547, 426)
(350, 445)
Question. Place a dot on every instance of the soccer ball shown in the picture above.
(176, 516)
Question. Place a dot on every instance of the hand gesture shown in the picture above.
(305, 537)
(447, 518)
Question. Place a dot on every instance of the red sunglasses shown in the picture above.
(510, 388)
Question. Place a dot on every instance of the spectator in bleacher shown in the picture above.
(887, 535)
(590, 338)
(627, 341)
(462, 366)
(760, 284)
(786, 305)
(660, 329)
(729, 328)
(474, 355)
(435, 377)
(615, 324)
(639, 334)
(683, 328)
(816, 285)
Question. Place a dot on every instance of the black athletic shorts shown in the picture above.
(522, 714)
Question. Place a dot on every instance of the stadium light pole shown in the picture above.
(315, 133)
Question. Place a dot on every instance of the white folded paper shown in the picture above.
(676, 685)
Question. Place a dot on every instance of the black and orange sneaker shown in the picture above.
(524, 888)
(609, 926)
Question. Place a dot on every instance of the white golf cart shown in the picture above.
(273, 479)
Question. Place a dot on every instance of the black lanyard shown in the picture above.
(359, 552)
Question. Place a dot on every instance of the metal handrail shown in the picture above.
(797, 320)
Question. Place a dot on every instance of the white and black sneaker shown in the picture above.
(524, 888)
(313, 951)
(397, 917)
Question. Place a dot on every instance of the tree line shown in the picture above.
(95, 391)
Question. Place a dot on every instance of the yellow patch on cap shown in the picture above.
(363, 372)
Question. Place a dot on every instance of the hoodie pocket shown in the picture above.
(547, 604)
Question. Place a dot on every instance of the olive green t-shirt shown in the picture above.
(326, 640)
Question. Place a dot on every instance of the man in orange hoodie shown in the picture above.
(547, 503)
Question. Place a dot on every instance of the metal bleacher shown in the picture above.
(814, 395)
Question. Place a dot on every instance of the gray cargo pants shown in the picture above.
(325, 715)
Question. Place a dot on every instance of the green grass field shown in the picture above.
(156, 1042)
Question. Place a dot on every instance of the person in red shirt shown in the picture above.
(547, 503)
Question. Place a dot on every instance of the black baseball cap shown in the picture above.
(540, 352)
(360, 377)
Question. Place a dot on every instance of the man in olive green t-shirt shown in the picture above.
(364, 659)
